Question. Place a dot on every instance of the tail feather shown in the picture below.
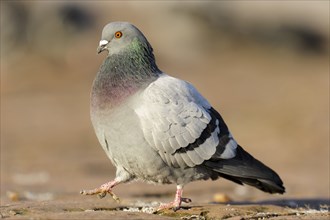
(245, 169)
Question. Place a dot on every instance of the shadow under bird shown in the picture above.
(160, 129)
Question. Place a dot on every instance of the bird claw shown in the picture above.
(101, 195)
(101, 192)
(175, 205)
(116, 198)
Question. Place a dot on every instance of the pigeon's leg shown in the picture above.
(103, 190)
(176, 204)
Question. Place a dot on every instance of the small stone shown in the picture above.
(221, 197)
(13, 196)
(12, 212)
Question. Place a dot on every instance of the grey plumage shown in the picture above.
(160, 129)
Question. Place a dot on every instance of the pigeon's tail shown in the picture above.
(245, 169)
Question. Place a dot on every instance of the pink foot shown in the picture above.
(103, 190)
(176, 204)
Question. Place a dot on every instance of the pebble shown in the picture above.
(221, 198)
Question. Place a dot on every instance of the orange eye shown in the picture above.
(118, 34)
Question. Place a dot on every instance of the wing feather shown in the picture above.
(180, 124)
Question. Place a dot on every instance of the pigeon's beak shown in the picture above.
(102, 46)
(100, 49)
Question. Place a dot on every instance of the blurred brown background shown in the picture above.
(263, 65)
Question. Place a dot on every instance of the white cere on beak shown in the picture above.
(103, 42)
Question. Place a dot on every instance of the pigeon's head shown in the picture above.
(118, 37)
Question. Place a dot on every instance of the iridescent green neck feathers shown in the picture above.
(124, 73)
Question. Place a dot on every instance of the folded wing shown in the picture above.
(181, 125)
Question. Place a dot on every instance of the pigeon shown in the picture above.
(159, 129)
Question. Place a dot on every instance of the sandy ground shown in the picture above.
(275, 101)
(94, 209)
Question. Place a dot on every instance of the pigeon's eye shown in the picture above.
(118, 34)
